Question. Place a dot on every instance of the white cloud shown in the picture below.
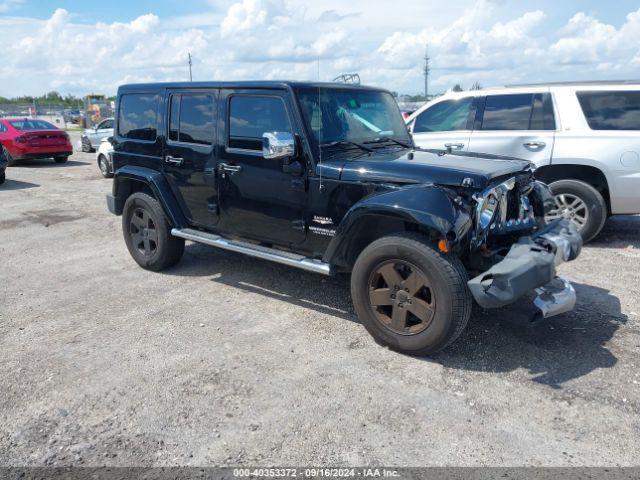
(8, 5)
(489, 42)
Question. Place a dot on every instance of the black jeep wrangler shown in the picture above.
(325, 177)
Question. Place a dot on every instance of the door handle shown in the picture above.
(230, 169)
(174, 160)
(454, 146)
(534, 144)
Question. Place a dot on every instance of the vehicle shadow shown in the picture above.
(553, 350)
(327, 295)
(11, 184)
(619, 232)
(41, 163)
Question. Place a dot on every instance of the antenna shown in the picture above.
(190, 63)
(322, 189)
(427, 69)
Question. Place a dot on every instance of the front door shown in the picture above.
(257, 198)
(189, 157)
(445, 125)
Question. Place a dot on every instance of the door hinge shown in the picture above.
(298, 224)
(299, 184)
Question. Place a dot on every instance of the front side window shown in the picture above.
(251, 116)
(446, 116)
(191, 119)
(351, 115)
(138, 116)
(611, 110)
(106, 124)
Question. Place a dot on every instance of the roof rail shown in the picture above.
(587, 82)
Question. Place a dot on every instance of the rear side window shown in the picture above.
(446, 116)
(138, 116)
(32, 125)
(525, 111)
(191, 119)
(251, 116)
(611, 110)
(3, 128)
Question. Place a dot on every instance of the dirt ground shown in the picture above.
(229, 360)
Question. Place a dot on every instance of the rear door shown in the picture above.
(445, 125)
(189, 156)
(519, 125)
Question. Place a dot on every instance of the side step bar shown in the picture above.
(278, 256)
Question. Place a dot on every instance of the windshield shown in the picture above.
(32, 125)
(351, 115)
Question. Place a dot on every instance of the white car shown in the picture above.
(583, 137)
(104, 157)
(91, 137)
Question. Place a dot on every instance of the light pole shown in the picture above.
(190, 63)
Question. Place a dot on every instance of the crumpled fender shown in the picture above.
(158, 184)
(429, 206)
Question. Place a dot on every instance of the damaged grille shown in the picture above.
(516, 212)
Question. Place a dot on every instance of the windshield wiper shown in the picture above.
(392, 140)
(346, 143)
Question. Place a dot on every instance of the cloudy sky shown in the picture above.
(82, 46)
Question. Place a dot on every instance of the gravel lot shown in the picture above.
(230, 360)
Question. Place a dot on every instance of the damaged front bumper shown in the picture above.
(531, 265)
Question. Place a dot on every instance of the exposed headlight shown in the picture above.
(487, 211)
(489, 203)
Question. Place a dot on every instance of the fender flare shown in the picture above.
(156, 182)
(428, 206)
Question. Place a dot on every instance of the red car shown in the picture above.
(27, 138)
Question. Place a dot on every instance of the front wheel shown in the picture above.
(408, 296)
(7, 155)
(581, 204)
(3, 177)
(147, 233)
(86, 145)
(103, 164)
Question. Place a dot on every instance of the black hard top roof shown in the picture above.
(263, 84)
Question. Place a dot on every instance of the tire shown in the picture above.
(3, 177)
(446, 298)
(590, 213)
(86, 145)
(141, 214)
(10, 161)
(103, 165)
(62, 159)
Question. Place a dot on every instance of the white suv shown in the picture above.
(583, 137)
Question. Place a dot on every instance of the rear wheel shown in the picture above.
(410, 297)
(104, 167)
(3, 177)
(581, 204)
(147, 233)
(61, 159)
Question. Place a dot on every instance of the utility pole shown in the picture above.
(426, 71)
(190, 63)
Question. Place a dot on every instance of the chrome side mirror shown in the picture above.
(278, 145)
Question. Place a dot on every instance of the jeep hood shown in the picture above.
(424, 167)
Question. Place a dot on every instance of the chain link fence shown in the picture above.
(86, 113)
